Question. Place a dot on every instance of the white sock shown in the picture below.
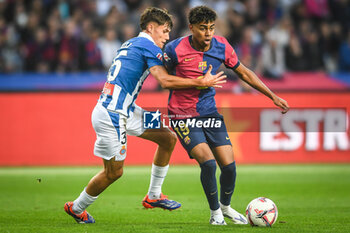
(157, 178)
(82, 202)
(224, 207)
(215, 212)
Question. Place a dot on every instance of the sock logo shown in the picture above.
(213, 193)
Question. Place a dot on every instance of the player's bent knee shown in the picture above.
(172, 139)
(168, 140)
(114, 175)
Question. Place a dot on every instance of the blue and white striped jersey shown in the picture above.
(128, 71)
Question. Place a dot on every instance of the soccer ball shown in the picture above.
(261, 212)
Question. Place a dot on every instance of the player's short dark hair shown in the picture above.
(200, 14)
(154, 14)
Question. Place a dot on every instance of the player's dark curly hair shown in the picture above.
(200, 14)
(153, 14)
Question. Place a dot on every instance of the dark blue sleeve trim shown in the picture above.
(235, 67)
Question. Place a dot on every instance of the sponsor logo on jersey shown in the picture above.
(159, 56)
(201, 88)
(202, 65)
(108, 89)
(189, 59)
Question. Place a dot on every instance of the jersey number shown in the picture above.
(123, 138)
(182, 131)
(115, 67)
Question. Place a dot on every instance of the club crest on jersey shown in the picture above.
(159, 56)
(202, 65)
(187, 140)
(123, 150)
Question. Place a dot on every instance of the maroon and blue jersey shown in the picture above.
(181, 59)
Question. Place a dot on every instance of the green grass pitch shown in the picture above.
(310, 198)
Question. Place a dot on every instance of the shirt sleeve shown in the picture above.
(231, 59)
(170, 58)
(153, 55)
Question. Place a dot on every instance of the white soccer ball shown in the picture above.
(261, 212)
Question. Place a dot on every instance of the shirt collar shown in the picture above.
(145, 35)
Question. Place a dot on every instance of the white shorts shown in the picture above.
(111, 129)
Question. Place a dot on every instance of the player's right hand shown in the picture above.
(210, 80)
(281, 103)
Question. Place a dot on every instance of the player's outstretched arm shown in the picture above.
(174, 82)
(249, 77)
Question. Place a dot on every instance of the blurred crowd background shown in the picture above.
(271, 37)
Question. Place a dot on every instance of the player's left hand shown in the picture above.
(216, 80)
(281, 103)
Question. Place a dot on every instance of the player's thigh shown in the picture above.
(189, 137)
(163, 136)
(134, 124)
(217, 135)
(223, 155)
(111, 141)
(134, 127)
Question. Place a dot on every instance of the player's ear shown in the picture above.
(190, 26)
(150, 27)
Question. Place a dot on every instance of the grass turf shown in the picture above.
(310, 198)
